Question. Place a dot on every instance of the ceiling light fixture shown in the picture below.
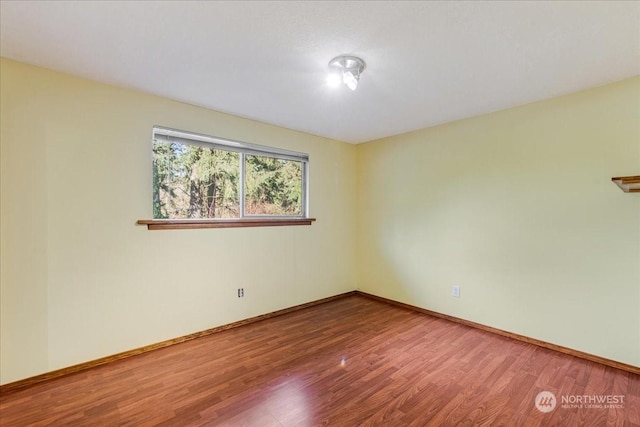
(345, 69)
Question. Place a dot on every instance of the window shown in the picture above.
(203, 177)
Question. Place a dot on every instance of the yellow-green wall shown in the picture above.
(79, 280)
(517, 208)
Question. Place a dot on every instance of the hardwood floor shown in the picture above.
(349, 362)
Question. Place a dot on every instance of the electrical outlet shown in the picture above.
(240, 292)
(455, 291)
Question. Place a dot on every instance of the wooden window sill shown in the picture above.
(178, 224)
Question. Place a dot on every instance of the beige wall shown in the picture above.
(79, 280)
(517, 208)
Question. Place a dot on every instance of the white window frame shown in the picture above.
(244, 148)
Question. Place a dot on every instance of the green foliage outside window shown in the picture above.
(192, 181)
(272, 186)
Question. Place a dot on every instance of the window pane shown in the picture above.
(191, 181)
(272, 186)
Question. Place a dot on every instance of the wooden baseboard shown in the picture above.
(20, 384)
(540, 343)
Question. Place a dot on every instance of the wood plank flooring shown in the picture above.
(349, 362)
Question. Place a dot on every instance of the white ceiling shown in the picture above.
(427, 62)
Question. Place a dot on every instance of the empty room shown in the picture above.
(319, 213)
